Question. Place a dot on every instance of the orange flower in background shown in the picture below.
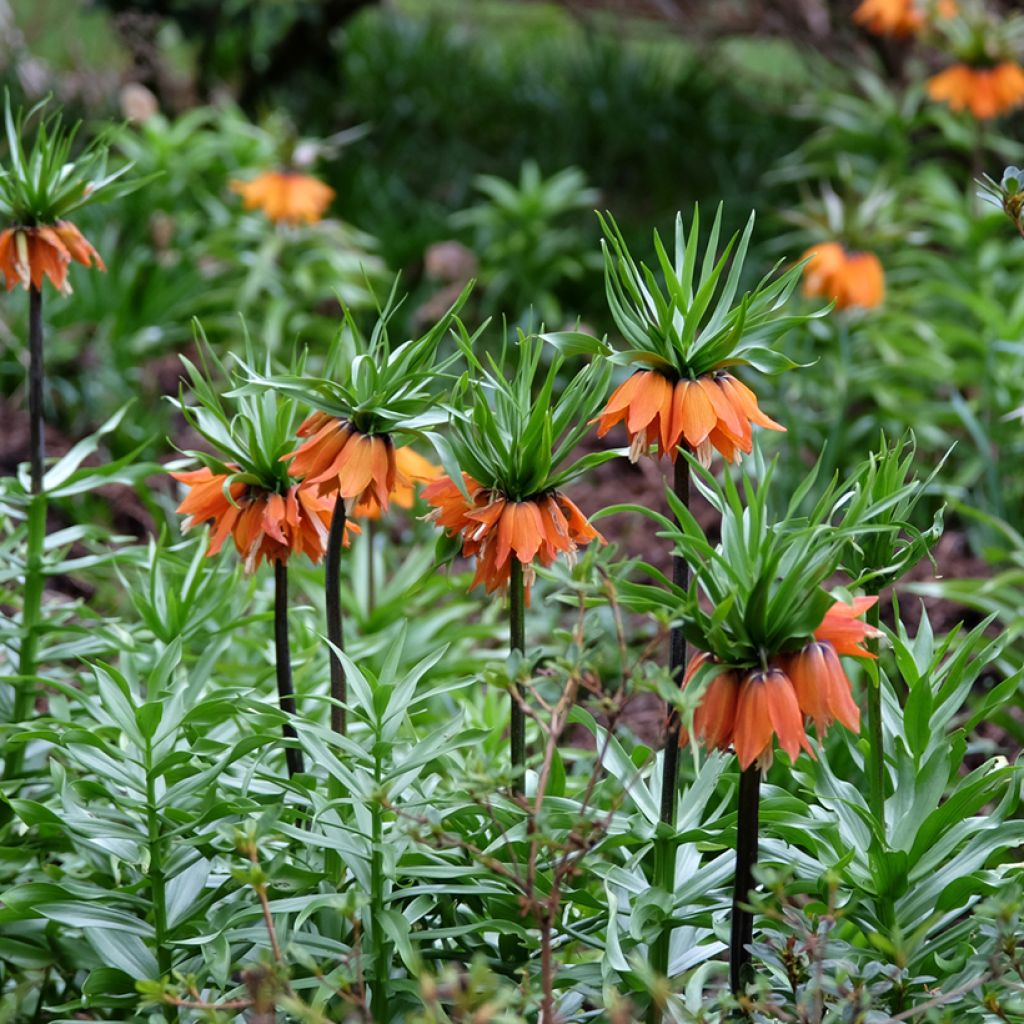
(286, 197)
(746, 711)
(851, 279)
(897, 18)
(900, 18)
(263, 524)
(494, 528)
(341, 460)
(29, 254)
(715, 412)
(985, 92)
(411, 468)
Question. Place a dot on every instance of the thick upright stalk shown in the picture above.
(517, 642)
(158, 879)
(339, 689)
(740, 970)
(332, 582)
(664, 845)
(32, 601)
(876, 739)
(37, 453)
(283, 662)
(381, 959)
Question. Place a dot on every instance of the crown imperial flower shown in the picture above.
(27, 255)
(685, 332)
(713, 412)
(986, 92)
(850, 279)
(495, 529)
(263, 524)
(341, 460)
(286, 197)
(748, 710)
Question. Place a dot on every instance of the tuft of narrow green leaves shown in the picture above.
(251, 431)
(887, 494)
(687, 317)
(45, 183)
(515, 424)
(378, 386)
(760, 591)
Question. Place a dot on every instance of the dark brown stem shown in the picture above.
(517, 641)
(283, 663)
(740, 970)
(676, 662)
(335, 633)
(664, 846)
(547, 971)
(37, 452)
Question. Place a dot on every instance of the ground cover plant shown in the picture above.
(447, 581)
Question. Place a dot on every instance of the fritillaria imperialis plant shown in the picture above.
(371, 391)
(286, 197)
(287, 194)
(247, 492)
(986, 79)
(686, 328)
(514, 430)
(40, 188)
(768, 637)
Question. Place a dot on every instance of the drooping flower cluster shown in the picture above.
(854, 280)
(900, 18)
(41, 187)
(286, 197)
(28, 254)
(411, 469)
(341, 460)
(264, 524)
(986, 92)
(685, 332)
(495, 529)
(747, 709)
(714, 412)
(366, 470)
(896, 18)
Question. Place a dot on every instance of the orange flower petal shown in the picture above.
(696, 412)
(647, 402)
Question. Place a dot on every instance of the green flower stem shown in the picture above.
(283, 664)
(157, 876)
(876, 743)
(32, 602)
(381, 959)
(740, 969)
(339, 689)
(517, 642)
(664, 844)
